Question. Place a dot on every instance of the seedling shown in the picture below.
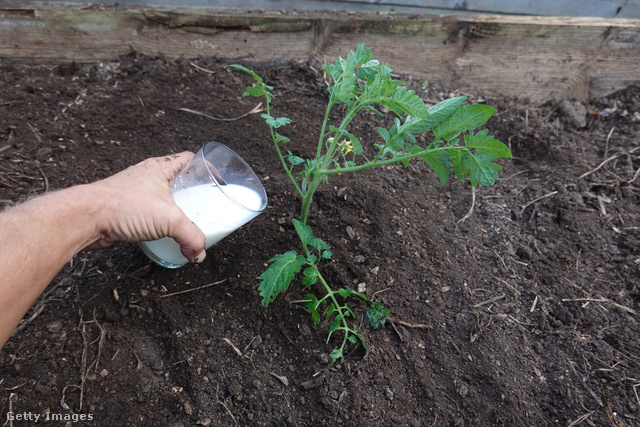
(361, 83)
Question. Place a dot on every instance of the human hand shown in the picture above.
(139, 206)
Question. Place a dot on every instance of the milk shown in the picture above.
(216, 213)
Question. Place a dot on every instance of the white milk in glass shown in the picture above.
(216, 213)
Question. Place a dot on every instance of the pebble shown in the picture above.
(54, 327)
(388, 393)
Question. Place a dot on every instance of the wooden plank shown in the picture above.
(514, 56)
(592, 8)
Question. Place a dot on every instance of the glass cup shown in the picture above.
(219, 192)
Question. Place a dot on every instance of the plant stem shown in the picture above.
(385, 162)
(338, 307)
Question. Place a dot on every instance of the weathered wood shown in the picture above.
(514, 56)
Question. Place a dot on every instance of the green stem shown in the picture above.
(280, 156)
(331, 294)
(385, 162)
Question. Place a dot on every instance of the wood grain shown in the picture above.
(531, 58)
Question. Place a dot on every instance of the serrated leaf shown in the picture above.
(275, 122)
(312, 306)
(487, 144)
(246, 70)
(384, 133)
(345, 292)
(294, 160)
(482, 169)
(458, 163)
(331, 308)
(281, 138)
(318, 244)
(466, 117)
(438, 113)
(356, 145)
(377, 315)
(400, 100)
(310, 276)
(336, 325)
(279, 275)
(438, 161)
(336, 354)
(304, 231)
(255, 91)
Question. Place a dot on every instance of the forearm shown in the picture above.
(39, 238)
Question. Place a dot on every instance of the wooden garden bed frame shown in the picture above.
(535, 58)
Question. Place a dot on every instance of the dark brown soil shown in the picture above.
(525, 314)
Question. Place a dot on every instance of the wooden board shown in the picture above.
(515, 56)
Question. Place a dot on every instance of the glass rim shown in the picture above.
(262, 193)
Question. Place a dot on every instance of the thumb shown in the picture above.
(190, 238)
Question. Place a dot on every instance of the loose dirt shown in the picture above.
(524, 314)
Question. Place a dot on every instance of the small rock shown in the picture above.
(309, 384)
(305, 330)
(54, 327)
(463, 391)
(388, 393)
(188, 409)
(324, 358)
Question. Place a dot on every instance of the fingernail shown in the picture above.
(200, 257)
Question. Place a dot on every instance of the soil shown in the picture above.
(524, 314)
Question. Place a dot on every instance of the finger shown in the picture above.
(174, 163)
(190, 238)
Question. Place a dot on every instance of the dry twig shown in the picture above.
(604, 300)
(526, 205)
(201, 69)
(193, 289)
(256, 109)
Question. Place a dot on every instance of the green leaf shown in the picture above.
(318, 244)
(326, 254)
(336, 325)
(384, 133)
(458, 164)
(438, 161)
(377, 315)
(345, 292)
(275, 122)
(465, 118)
(312, 306)
(310, 276)
(487, 144)
(294, 160)
(438, 113)
(396, 98)
(279, 275)
(246, 70)
(482, 169)
(281, 138)
(255, 91)
(304, 232)
(336, 354)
